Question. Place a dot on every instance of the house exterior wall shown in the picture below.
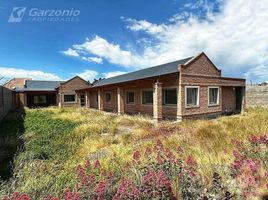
(203, 74)
(199, 72)
(112, 104)
(93, 99)
(229, 100)
(168, 81)
(69, 88)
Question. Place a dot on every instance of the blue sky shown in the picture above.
(108, 38)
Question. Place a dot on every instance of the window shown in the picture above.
(213, 93)
(108, 97)
(40, 99)
(69, 98)
(192, 96)
(97, 97)
(130, 97)
(147, 97)
(170, 96)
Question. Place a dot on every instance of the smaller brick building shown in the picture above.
(50, 93)
(188, 88)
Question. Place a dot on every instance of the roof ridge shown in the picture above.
(150, 67)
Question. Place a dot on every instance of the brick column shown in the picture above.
(60, 99)
(25, 100)
(100, 99)
(157, 101)
(179, 98)
(87, 100)
(179, 104)
(120, 101)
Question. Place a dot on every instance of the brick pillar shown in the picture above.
(87, 100)
(25, 100)
(120, 101)
(179, 104)
(100, 99)
(179, 98)
(60, 100)
(157, 101)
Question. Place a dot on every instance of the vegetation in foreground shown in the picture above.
(57, 141)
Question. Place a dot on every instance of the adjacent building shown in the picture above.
(50, 93)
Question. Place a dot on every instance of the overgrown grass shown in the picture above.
(56, 140)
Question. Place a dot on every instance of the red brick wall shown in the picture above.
(93, 99)
(229, 100)
(201, 66)
(200, 72)
(70, 87)
(203, 107)
(112, 105)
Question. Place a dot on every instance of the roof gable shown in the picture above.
(201, 64)
(75, 77)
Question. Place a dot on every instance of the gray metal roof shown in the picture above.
(159, 70)
(32, 85)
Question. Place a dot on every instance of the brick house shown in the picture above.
(188, 88)
(36, 93)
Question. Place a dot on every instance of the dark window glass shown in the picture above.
(108, 97)
(130, 97)
(213, 96)
(192, 96)
(40, 99)
(170, 96)
(97, 97)
(69, 98)
(147, 97)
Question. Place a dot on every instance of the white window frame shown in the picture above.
(147, 89)
(66, 102)
(198, 97)
(170, 88)
(130, 103)
(218, 98)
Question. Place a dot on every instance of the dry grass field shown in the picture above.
(54, 141)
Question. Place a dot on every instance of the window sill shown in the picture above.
(213, 105)
(70, 102)
(147, 104)
(197, 106)
(131, 104)
(169, 105)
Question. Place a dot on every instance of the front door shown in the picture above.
(238, 91)
(82, 100)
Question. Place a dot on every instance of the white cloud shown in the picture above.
(102, 48)
(259, 72)
(93, 59)
(19, 73)
(112, 74)
(70, 52)
(88, 75)
(234, 37)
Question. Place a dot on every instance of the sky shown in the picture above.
(58, 39)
